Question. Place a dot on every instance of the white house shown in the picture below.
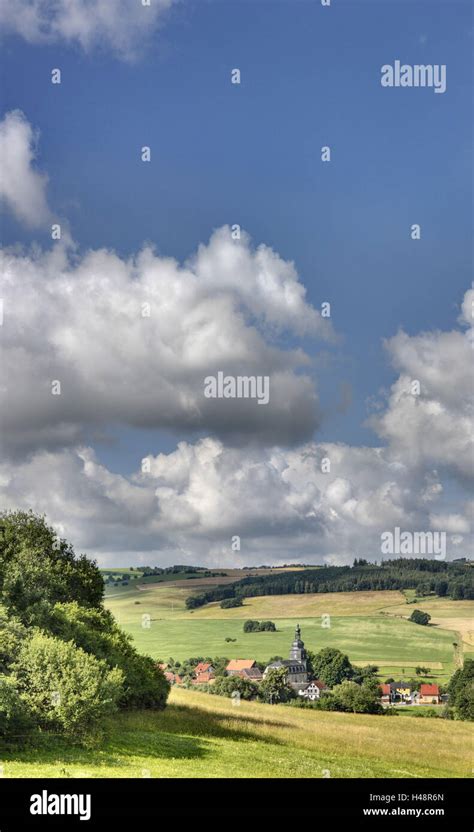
(312, 690)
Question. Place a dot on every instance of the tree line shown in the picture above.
(445, 579)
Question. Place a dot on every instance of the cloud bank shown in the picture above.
(131, 341)
(121, 26)
(94, 341)
(284, 503)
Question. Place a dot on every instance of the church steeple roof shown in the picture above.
(297, 642)
(297, 652)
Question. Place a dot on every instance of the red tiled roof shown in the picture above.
(385, 690)
(429, 690)
(240, 664)
(319, 684)
(203, 678)
(202, 667)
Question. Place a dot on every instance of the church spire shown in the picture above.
(298, 652)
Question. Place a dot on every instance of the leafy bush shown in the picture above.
(96, 632)
(228, 685)
(64, 688)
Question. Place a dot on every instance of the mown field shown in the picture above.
(371, 627)
(207, 736)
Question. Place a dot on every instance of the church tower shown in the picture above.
(298, 652)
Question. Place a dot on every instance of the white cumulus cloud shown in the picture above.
(121, 25)
(131, 342)
(22, 187)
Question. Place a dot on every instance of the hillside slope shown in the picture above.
(199, 735)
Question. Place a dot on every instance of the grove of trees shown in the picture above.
(64, 662)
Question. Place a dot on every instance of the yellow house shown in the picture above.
(401, 691)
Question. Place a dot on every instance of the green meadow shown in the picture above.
(199, 735)
(370, 627)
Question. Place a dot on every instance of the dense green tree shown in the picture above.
(15, 720)
(96, 632)
(233, 685)
(361, 674)
(64, 661)
(420, 617)
(274, 687)
(12, 634)
(461, 691)
(359, 699)
(267, 626)
(252, 626)
(331, 666)
(36, 569)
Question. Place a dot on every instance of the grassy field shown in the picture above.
(445, 614)
(206, 736)
(366, 639)
(371, 627)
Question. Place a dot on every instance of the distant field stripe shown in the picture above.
(383, 663)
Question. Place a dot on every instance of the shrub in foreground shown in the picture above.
(63, 688)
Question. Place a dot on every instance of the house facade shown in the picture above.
(429, 695)
(253, 674)
(312, 690)
(385, 694)
(204, 678)
(203, 667)
(401, 691)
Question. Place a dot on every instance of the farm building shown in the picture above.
(236, 666)
(386, 694)
(203, 667)
(429, 694)
(254, 674)
(204, 678)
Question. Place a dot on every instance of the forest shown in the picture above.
(446, 579)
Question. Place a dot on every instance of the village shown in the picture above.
(298, 677)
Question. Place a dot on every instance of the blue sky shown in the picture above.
(250, 154)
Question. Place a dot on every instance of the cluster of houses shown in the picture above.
(297, 676)
(394, 693)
